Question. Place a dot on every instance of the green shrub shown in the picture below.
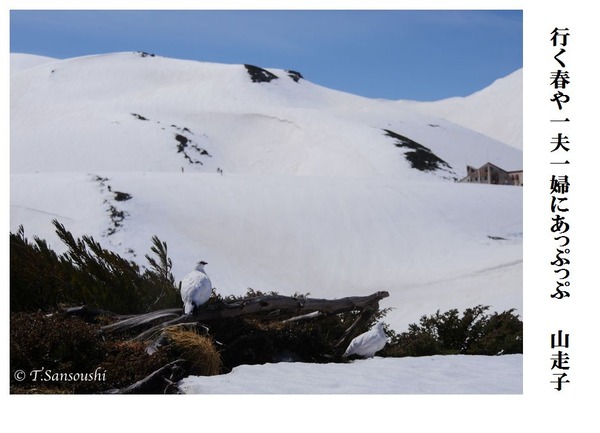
(475, 333)
(501, 333)
(87, 274)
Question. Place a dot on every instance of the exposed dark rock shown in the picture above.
(117, 216)
(419, 156)
(122, 196)
(183, 142)
(294, 75)
(259, 75)
(138, 116)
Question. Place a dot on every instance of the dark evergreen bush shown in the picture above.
(37, 275)
(475, 333)
(87, 274)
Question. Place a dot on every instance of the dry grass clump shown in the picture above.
(273, 326)
(198, 350)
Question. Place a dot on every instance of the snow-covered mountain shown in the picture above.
(19, 61)
(496, 111)
(278, 183)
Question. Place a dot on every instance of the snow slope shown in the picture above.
(314, 195)
(501, 105)
(19, 62)
(458, 374)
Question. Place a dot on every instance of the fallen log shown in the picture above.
(284, 307)
(259, 329)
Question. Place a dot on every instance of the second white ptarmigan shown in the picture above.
(368, 343)
(196, 288)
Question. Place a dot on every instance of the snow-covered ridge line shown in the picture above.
(321, 131)
(502, 103)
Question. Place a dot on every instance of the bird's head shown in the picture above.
(200, 265)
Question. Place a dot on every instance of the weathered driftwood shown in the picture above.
(131, 322)
(288, 305)
(272, 305)
(88, 313)
(308, 316)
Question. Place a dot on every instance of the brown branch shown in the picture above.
(89, 313)
(162, 381)
(274, 305)
(142, 319)
(288, 305)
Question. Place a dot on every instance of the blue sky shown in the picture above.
(421, 55)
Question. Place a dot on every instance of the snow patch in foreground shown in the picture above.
(452, 374)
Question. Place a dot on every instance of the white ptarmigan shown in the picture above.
(368, 343)
(196, 288)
